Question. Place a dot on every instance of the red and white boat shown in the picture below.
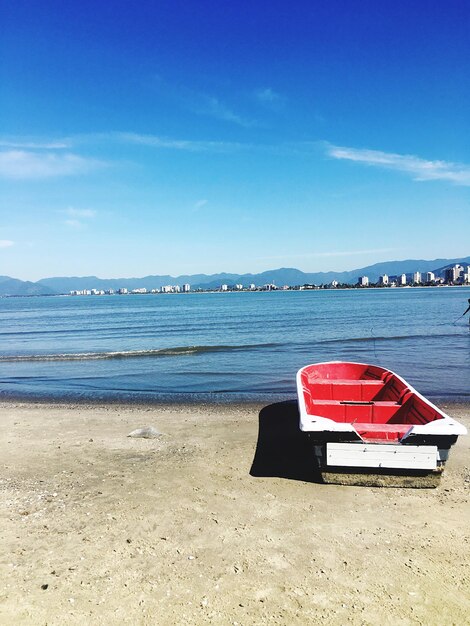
(365, 419)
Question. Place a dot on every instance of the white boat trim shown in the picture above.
(379, 456)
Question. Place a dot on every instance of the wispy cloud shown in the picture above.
(75, 224)
(155, 141)
(216, 147)
(270, 99)
(330, 254)
(24, 144)
(82, 213)
(420, 169)
(49, 160)
(200, 204)
(6, 243)
(351, 252)
(22, 164)
(204, 103)
(77, 218)
(210, 106)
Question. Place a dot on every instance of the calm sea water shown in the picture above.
(227, 346)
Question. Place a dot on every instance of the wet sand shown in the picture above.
(193, 527)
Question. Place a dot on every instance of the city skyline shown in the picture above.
(390, 273)
(191, 137)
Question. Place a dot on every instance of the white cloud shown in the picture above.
(75, 224)
(213, 107)
(420, 169)
(83, 213)
(340, 253)
(267, 95)
(77, 217)
(6, 243)
(155, 141)
(24, 144)
(215, 147)
(199, 204)
(49, 160)
(351, 252)
(199, 102)
(21, 164)
(270, 99)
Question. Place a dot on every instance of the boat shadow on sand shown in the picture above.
(282, 450)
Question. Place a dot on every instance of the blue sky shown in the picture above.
(187, 137)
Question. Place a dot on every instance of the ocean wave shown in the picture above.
(130, 354)
(373, 337)
(194, 350)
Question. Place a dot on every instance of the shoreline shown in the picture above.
(195, 527)
(216, 404)
(328, 287)
(178, 404)
(165, 406)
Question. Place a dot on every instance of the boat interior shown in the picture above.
(375, 401)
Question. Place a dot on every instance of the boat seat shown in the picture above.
(351, 411)
(345, 389)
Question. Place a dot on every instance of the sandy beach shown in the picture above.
(217, 521)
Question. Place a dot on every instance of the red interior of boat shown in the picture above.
(374, 400)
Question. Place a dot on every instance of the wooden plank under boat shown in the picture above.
(369, 426)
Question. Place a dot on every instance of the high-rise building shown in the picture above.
(452, 274)
(363, 281)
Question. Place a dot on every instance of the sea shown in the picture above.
(227, 347)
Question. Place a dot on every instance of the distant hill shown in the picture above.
(65, 284)
(395, 268)
(15, 287)
(282, 276)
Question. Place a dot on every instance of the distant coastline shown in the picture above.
(274, 289)
(370, 287)
(409, 272)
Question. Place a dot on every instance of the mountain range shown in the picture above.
(283, 276)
